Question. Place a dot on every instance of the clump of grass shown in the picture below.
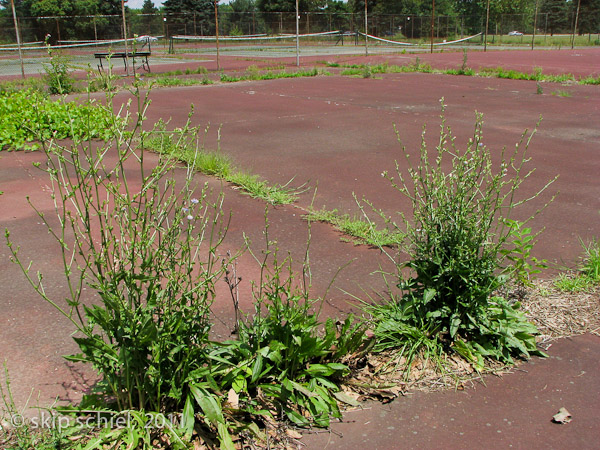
(255, 75)
(588, 275)
(561, 93)
(351, 71)
(165, 81)
(361, 230)
(590, 80)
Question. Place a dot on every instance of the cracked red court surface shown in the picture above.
(337, 135)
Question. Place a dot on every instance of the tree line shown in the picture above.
(100, 19)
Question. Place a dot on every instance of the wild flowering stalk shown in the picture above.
(462, 204)
(148, 247)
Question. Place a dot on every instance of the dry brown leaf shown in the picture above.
(562, 416)
(293, 433)
(233, 399)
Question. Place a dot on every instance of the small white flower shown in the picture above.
(184, 209)
(190, 217)
(194, 201)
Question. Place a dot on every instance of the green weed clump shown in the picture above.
(360, 229)
(58, 76)
(30, 117)
(588, 275)
(282, 351)
(461, 205)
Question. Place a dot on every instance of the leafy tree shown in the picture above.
(148, 7)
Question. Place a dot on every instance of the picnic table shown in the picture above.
(125, 56)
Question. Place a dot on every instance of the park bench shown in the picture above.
(133, 55)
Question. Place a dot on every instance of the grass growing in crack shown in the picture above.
(588, 275)
(183, 144)
(361, 230)
(561, 93)
(166, 81)
(255, 75)
(418, 67)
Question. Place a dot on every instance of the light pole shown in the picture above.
(12, 4)
(575, 25)
(534, 24)
(125, 38)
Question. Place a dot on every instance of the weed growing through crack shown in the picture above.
(58, 76)
(359, 229)
(561, 93)
(461, 203)
(282, 353)
(148, 248)
(184, 145)
(588, 275)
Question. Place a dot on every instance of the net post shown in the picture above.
(125, 38)
(366, 31)
(297, 35)
(12, 4)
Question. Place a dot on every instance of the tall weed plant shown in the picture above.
(58, 72)
(461, 203)
(149, 249)
(286, 363)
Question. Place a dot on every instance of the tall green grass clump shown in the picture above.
(588, 275)
(461, 204)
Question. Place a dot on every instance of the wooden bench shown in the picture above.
(125, 56)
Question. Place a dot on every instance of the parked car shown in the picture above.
(515, 33)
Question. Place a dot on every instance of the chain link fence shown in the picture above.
(80, 36)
